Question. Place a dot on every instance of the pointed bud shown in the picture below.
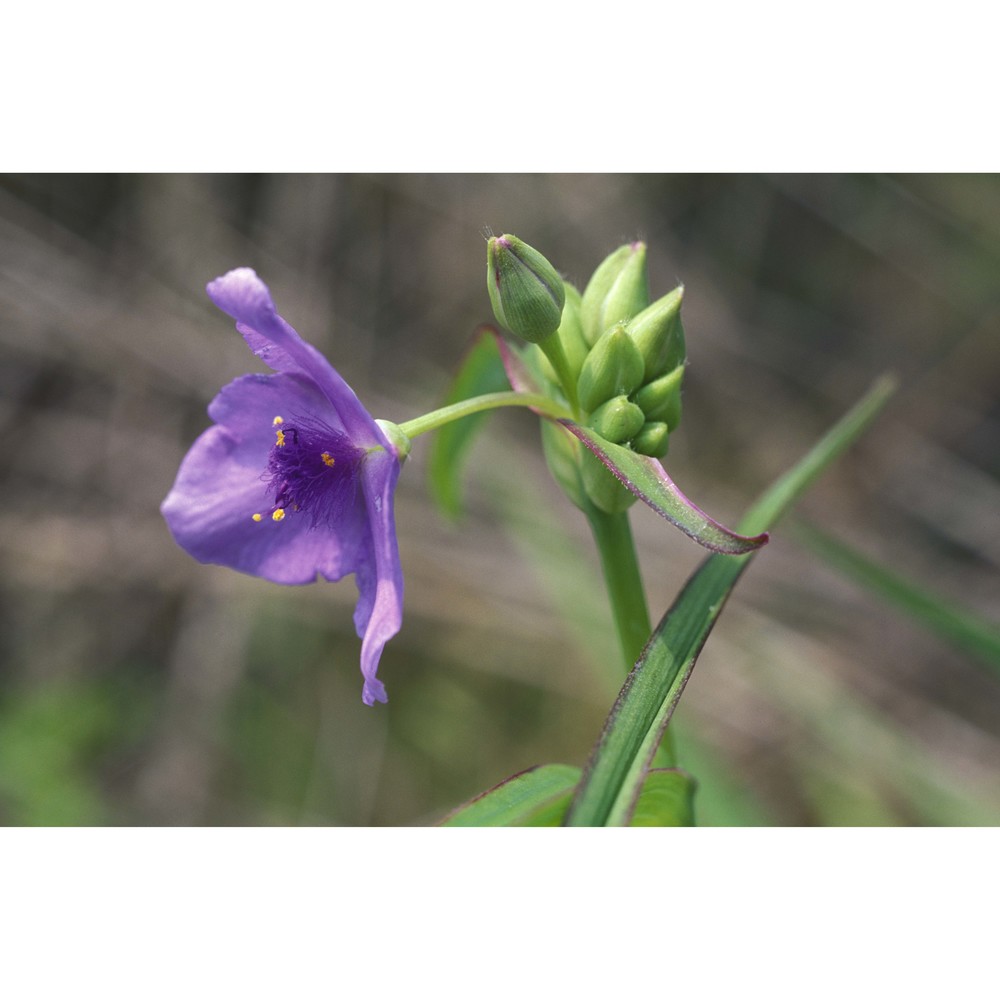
(617, 420)
(658, 334)
(526, 292)
(618, 290)
(571, 331)
(613, 368)
(652, 440)
(661, 399)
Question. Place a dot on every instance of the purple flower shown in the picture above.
(295, 480)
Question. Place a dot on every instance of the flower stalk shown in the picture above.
(544, 405)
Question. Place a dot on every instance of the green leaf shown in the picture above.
(481, 372)
(648, 480)
(536, 797)
(666, 799)
(617, 767)
(951, 621)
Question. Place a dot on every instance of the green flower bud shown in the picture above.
(570, 332)
(562, 455)
(526, 292)
(658, 334)
(617, 420)
(618, 290)
(613, 368)
(653, 440)
(661, 399)
(602, 487)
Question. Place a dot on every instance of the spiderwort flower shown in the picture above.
(296, 480)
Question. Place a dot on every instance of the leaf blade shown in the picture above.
(666, 799)
(536, 797)
(614, 774)
(481, 371)
(648, 480)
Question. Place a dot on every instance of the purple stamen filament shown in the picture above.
(311, 468)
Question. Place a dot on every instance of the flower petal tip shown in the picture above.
(241, 294)
(373, 691)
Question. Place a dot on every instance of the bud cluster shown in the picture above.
(622, 355)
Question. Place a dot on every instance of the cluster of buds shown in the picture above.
(617, 358)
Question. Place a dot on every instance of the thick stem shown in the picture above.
(613, 535)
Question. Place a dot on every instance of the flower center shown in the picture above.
(312, 469)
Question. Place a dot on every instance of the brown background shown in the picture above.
(139, 687)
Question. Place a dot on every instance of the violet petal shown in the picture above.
(246, 298)
(221, 485)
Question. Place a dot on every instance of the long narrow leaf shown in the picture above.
(536, 797)
(617, 768)
(956, 624)
(482, 371)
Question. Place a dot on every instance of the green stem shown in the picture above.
(613, 535)
(467, 407)
(553, 349)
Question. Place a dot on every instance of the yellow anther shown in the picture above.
(278, 515)
(328, 459)
(281, 439)
(258, 517)
(277, 420)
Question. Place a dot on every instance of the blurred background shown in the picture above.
(138, 687)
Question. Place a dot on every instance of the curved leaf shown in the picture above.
(482, 371)
(666, 799)
(648, 480)
(536, 797)
(617, 768)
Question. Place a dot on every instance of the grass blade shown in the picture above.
(617, 768)
(536, 797)
(956, 624)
